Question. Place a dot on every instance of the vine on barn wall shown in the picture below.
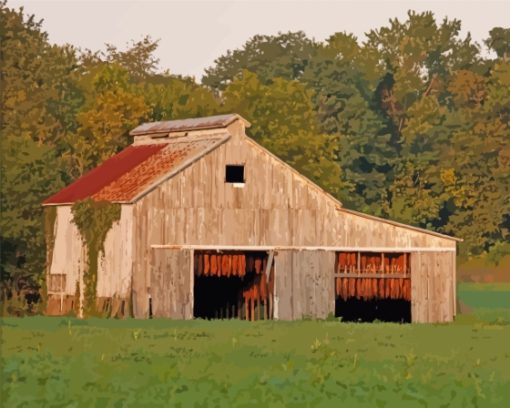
(76, 305)
(50, 217)
(93, 219)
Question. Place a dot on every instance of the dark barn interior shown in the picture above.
(233, 285)
(373, 286)
(383, 310)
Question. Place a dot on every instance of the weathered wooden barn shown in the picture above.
(213, 225)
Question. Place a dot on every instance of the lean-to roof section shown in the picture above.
(338, 204)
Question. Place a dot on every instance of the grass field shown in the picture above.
(72, 363)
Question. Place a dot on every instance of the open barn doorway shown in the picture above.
(373, 286)
(233, 285)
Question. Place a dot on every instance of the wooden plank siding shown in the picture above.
(304, 284)
(172, 283)
(283, 289)
(68, 255)
(432, 287)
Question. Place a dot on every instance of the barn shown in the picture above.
(208, 224)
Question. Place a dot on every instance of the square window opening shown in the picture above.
(234, 173)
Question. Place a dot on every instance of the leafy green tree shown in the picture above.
(28, 172)
(282, 56)
(434, 92)
(34, 119)
(138, 60)
(479, 181)
(415, 197)
(174, 97)
(113, 108)
(33, 94)
(419, 56)
(499, 41)
(343, 100)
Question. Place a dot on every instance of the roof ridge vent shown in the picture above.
(179, 133)
(191, 124)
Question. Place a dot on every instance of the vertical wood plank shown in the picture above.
(171, 287)
(327, 284)
(418, 288)
(299, 274)
(283, 286)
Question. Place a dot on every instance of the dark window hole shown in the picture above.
(234, 173)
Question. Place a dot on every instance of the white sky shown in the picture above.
(194, 33)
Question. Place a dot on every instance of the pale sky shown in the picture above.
(194, 33)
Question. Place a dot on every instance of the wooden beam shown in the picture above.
(268, 266)
(220, 248)
(373, 275)
(189, 312)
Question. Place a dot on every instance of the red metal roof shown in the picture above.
(96, 179)
(130, 172)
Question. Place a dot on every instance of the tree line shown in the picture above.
(412, 123)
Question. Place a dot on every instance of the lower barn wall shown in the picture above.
(304, 284)
(59, 304)
(69, 262)
(432, 287)
(68, 257)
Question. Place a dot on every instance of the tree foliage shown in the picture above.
(284, 55)
(30, 129)
(413, 123)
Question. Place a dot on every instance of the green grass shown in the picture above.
(485, 295)
(68, 362)
(484, 287)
